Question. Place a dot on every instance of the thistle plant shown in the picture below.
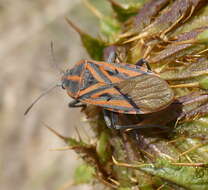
(172, 36)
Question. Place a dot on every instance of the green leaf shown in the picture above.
(124, 188)
(83, 174)
(196, 127)
(73, 142)
(110, 28)
(204, 82)
(93, 45)
(102, 147)
(125, 11)
(203, 37)
(68, 140)
(193, 178)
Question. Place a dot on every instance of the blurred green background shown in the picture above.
(26, 69)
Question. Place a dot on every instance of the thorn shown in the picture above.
(128, 165)
(93, 9)
(189, 159)
(147, 153)
(190, 14)
(75, 27)
(190, 164)
(175, 140)
(89, 139)
(78, 133)
(133, 179)
(61, 149)
(126, 34)
(187, 85)
(67, 185)
(198, 73)
(115, 3)
(138, 37)
(114, 181)
(176, 123)
(191, 149)
(192, 41)
(114, 161)
(161, 186)
(203, 51)
(167, 156)
(55, 132)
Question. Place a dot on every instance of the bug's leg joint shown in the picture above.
(141, 62)
(110, 119)
(112, 57)
(75, 104)
(107, 118)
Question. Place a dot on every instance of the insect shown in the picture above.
(116, 87)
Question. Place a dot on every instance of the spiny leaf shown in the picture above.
(147, 12)
(83, 174)
(109, 26)
(198, 127)
(179, 48)
(73, 142)
(93, 45)
(123, 175)
(68, 140)
(199, 20)
(168, 20)
(195, 69)
(144, 17)
(124, 11)
(179, 57)
(193, 178)
(202, 37)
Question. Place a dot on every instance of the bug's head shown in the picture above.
(65, 80)
(71, 80)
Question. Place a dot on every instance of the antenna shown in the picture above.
(40, 96)
(54, 63)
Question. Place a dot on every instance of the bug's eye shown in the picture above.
(63, 86)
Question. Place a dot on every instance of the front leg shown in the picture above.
(141, 62)
(112, 57)
(76, 104)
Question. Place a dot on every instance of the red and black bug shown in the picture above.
(116, 87)
(121, 88)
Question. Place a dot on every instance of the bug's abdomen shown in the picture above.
(149, 92)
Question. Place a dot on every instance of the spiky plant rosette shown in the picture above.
(172, 36)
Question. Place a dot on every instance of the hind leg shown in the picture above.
(111, 120)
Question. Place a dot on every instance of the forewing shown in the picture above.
(123, 88)
(148, 92)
